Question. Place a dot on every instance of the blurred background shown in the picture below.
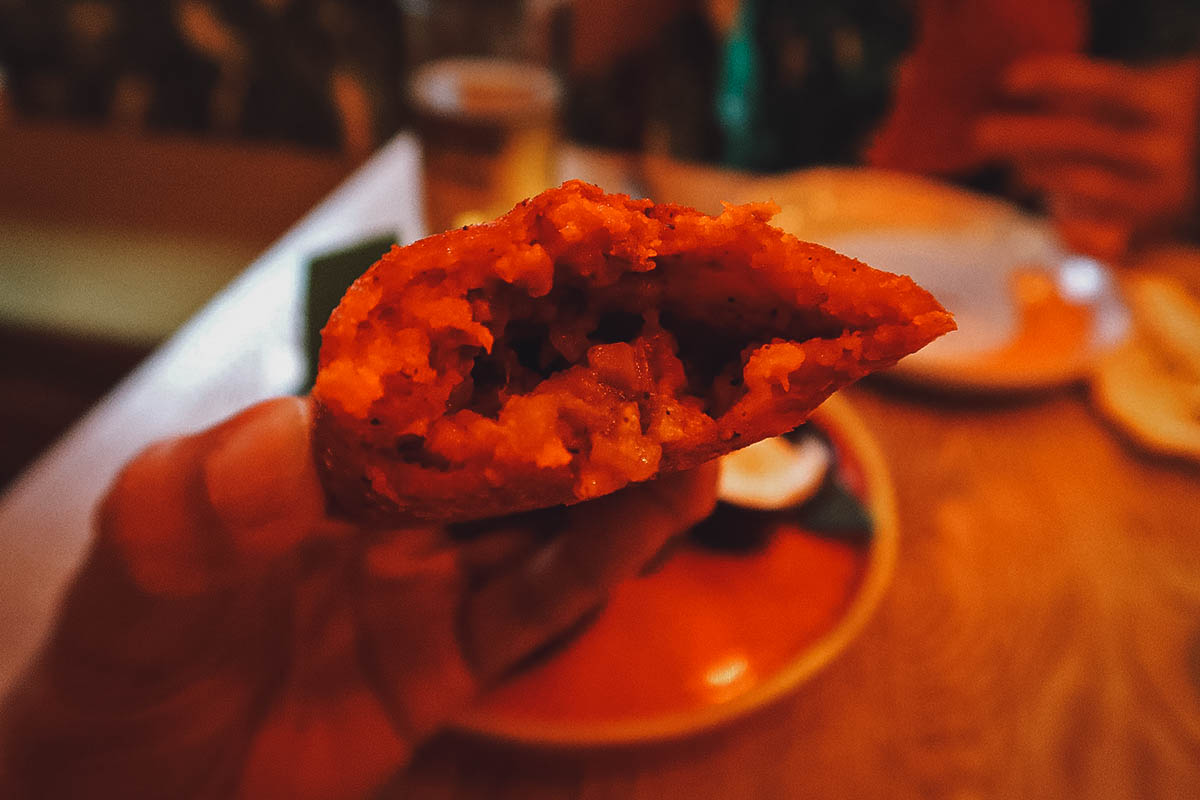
(151, 149)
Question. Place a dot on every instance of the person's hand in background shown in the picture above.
(1112, 149)
(226, 638)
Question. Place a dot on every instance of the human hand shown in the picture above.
(226, 638)
(1111, 148)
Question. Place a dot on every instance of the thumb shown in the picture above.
(260, 477)
(192, 513)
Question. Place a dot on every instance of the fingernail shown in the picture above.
(261, 469)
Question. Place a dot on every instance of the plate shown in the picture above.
(1030, 314)
(1150, 386)
(716, 630)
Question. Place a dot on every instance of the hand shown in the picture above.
(1112, 148)
(226, 638)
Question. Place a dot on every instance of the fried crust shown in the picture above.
(584, 341)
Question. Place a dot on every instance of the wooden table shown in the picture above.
(1041, 637)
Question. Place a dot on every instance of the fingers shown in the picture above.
(1112, 148)
(192, 513)
(1053, 74)
(1099, 88)
(1092, 200)
(260, 476)
(418, 626)
(326, 735)
(1087, 190)
(158, 519)
(495, 551)
(1050, 136)
(408, 605)
(1089, 185)
(606, 541)
(1105, 89)
(1106, 239)
(1141, 118)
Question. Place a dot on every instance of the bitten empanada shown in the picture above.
(585, 341)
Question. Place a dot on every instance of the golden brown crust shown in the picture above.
(584, 341)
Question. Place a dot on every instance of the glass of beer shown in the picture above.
(485, 106)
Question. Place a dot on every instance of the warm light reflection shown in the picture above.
(1081, 279)
(726, 672)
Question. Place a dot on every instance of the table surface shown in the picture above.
(1041, 637)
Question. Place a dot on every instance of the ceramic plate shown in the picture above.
(745, 609)
(1030, 315)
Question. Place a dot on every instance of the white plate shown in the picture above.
(970, 269)
(725, 652)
